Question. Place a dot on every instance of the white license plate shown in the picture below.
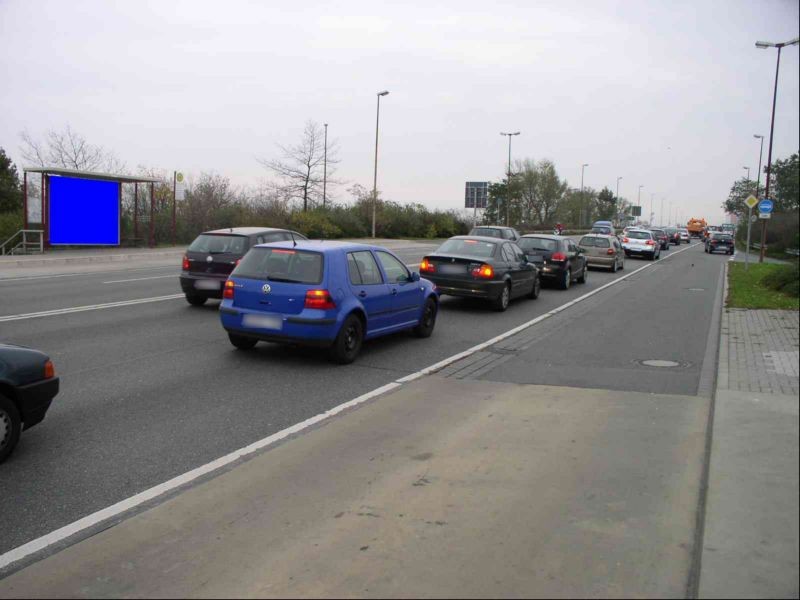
(262, 321)
(206, 284)
(451, 269)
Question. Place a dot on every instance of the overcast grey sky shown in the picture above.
(667, 94)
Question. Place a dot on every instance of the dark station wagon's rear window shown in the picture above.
(219, 244)
(279, 264)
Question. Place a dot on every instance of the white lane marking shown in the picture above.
(36, 277)
(140, 279)
(76, 309)
(115, 509)
(122, 506)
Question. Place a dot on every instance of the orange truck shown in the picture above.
(696, 227)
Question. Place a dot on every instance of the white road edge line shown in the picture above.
(122, 506)
(86, 274)
(139, 279)
(76, 309)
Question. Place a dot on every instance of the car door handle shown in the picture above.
(362, 294)
(394, 291)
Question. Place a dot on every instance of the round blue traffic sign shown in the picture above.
(765, 206)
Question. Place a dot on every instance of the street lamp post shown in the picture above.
(583, 167)
(325, 168)
(639, 201)
(760, 153)
(779, 46)
(617, 201)
(375, 175)
(748, 173)
(508, 180)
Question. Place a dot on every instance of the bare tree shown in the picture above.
(541, 190)
(70, 150)
(301, 167)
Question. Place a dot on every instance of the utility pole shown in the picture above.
(779, 46)
(325, 168)
(583, 200)
(508, 180)
(375, 175)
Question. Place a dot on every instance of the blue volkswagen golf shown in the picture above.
(328, 294)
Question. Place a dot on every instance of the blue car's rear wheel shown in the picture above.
(348, 343)
(428, 321)
(241, 342)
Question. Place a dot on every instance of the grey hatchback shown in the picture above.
(603, 251)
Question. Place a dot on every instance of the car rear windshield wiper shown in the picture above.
(283, 279)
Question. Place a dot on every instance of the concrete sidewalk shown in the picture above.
(442, 488)
(751, 543)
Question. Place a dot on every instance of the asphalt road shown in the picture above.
(152, 390)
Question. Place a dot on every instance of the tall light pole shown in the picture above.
(508, 181)
(661, 214)
(651, 208)
(583, 167)
(617, 201)
(760, 153)
(748, 173)
(375, 176)
(325, 168)
(639, 200)
(779, 46)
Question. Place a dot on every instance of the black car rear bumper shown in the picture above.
(189, 283)
(34, 399)
(468, 289)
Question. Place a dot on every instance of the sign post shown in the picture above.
(764, 212)
(476, 195)
(178, 193)
(750, 202)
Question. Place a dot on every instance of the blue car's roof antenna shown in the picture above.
(294, 241)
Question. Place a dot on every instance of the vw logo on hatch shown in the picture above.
(266, 289)
(209, 259)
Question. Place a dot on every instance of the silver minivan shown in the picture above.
(603, 251)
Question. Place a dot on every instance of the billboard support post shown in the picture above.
(24, 199)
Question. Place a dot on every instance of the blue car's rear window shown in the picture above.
(280, 264)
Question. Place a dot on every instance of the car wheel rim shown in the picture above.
(429, 313)
(5, 429)
(567, 279)
(504, 298)
(537, 287)
(350, 339)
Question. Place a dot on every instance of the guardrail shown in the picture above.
(24, 245)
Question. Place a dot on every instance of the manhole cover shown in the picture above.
(666, 364)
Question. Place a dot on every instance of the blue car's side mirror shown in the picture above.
(414, 276)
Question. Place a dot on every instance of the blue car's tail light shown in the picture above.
(319, 299)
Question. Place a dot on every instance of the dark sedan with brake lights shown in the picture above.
(482, 267)
(28, 384)
(559, 259)
(327, 294)
(211, 257)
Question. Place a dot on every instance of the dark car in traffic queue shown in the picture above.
(660, 235)
(327, 294)
(674, 236)
(28, 384)
(496, 231)
(559, 259)
(719, 241)
(212, 256)
(482, 267)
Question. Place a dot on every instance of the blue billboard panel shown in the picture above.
(84, 211)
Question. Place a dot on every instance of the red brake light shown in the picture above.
(426, 266)
(49, 370)
(185, 266)
(278, 251)
(625, 240)
(319, 299)
(484, 271)
(650, 243)
(610, 251)
(558, 256)
(227, 292)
